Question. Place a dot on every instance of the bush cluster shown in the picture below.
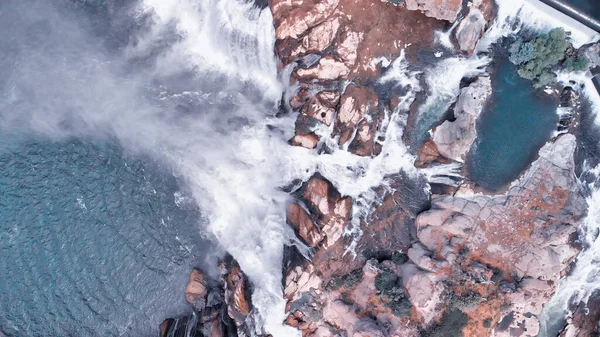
(349, 280)
(536, 58)
(390, 291)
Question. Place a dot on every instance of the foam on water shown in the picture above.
(197, 89)
(443, 83)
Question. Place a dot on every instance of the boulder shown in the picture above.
(304, 225)
(470, 30)
(584, 320)
(440, 9)
(196, 290)
(454, 139)
(237, 294)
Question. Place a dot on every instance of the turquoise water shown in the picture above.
(511, 130)
(93, 242)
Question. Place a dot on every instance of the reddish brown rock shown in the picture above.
(304, 225)
(428, 154)
(308, 141)
(196, 290)
(355, 104)
(237, 294)
(345, 38)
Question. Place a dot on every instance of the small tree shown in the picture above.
(536, 58)
(576, 63)
(520, 52)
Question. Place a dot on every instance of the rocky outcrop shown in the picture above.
(221, 307)
(585, 318)
(440, 9)
(338, 46)
(237, 293)
(196, 290)
(470, 30)
(522, 236)
(473, 25)
(341, 293)
(454, 139)
(481, 266)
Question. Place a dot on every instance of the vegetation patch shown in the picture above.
(387, 285)
(451, 325)
(399, 258)
(537, 58)
(469, 299)
(348, 280)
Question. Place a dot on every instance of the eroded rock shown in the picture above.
(454, 139)
(440, 9)
(196, 290)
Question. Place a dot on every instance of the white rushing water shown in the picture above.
(197, 88)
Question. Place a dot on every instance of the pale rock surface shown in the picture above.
(525, 232)
(454, 139)
(470, 30)
(440, 9)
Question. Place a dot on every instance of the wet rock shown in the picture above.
(470, 30)
(592, 52)
(196, 290)
(356, 103)
(309, 140)
(585, 318)
(304, 225)
(454, 139)
(429, 153)
(440, 9)
(237, 294)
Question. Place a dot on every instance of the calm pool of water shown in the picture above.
(511, 130)
(93, 243)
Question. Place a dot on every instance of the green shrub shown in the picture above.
(385, 281)
(451, 325)
(536, 58)
(399, 258)
(576, 63)
(520, 52)
(390, 291)
(348, 280)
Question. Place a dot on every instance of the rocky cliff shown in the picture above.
(455, 263)
(447, 265)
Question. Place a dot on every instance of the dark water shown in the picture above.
(589, 7)
(511, 130)
(93, 243)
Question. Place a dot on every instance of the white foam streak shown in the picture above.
(443, 82)
(228, 37)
